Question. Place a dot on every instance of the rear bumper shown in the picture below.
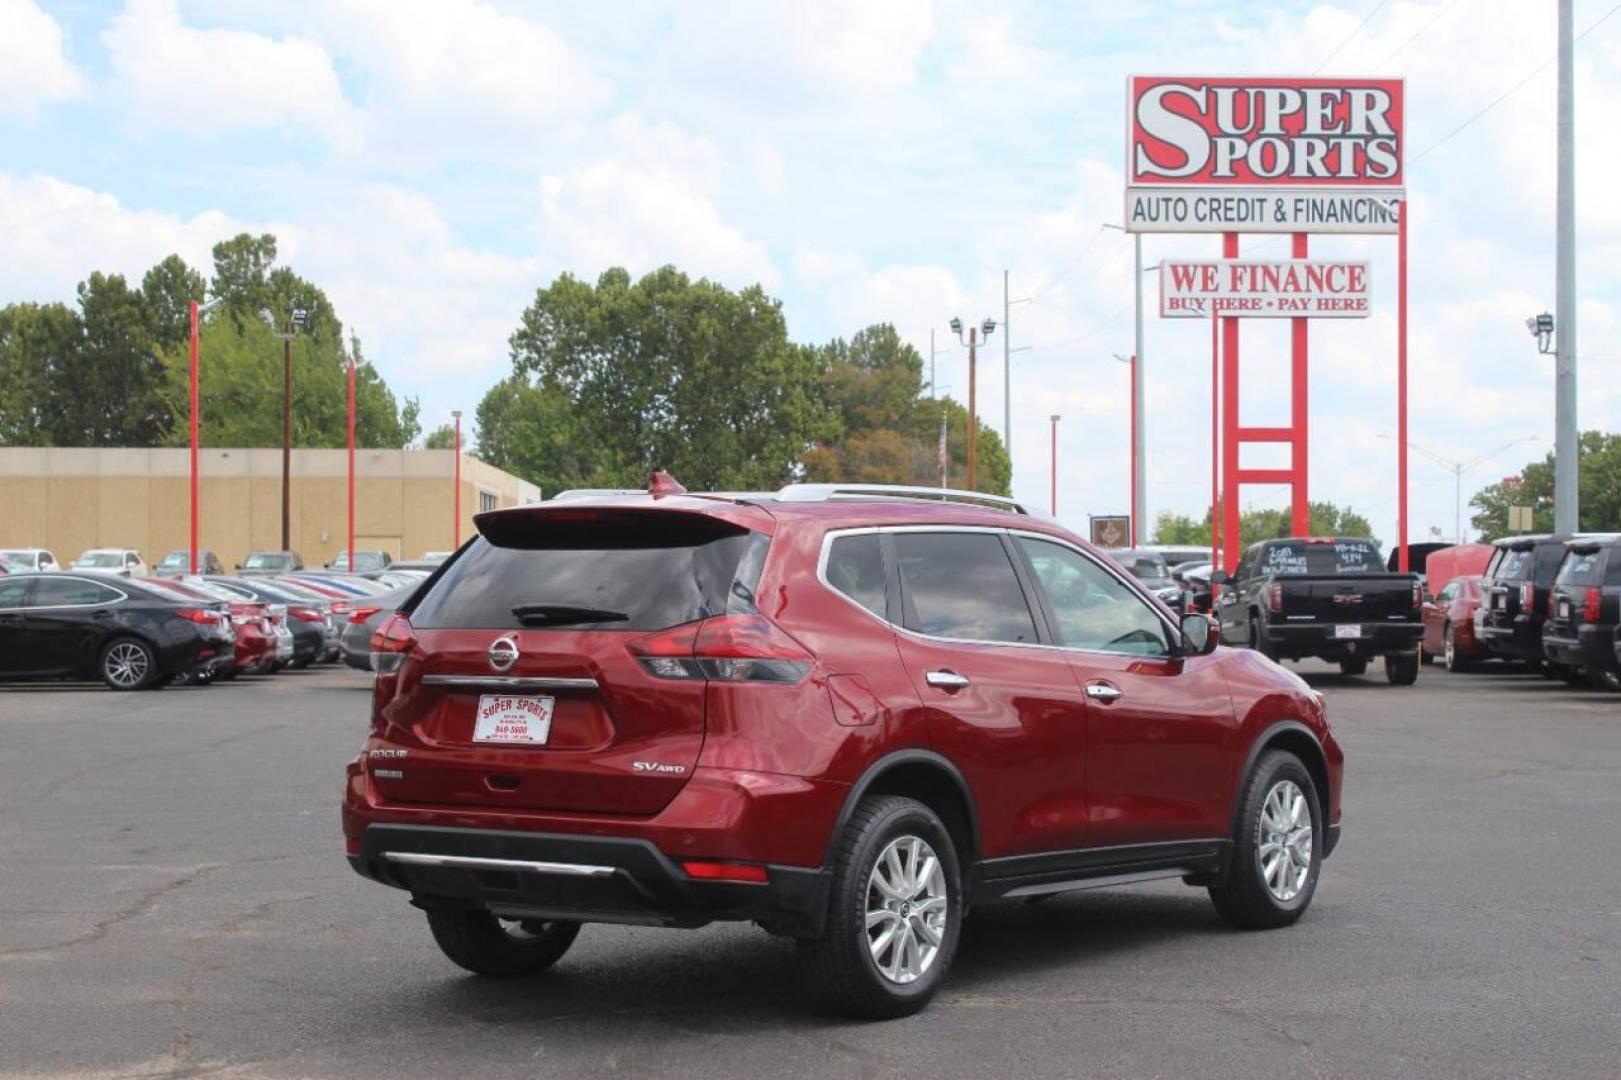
(580, 878)
(1318, 639)
(1521, 638)
(1592, 648)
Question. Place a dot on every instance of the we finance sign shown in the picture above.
(1257, 288)
(1264, 155)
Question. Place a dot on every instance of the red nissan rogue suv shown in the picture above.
(846, 714)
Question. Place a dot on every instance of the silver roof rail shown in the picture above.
(587, 493)
(827, 492)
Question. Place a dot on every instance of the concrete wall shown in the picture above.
(68, 500)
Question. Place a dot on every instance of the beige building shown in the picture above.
(68, 500)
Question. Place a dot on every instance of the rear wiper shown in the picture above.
(563, 614)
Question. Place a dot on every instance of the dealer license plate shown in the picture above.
(506, 718)
(1564, 611)
(1348, 630)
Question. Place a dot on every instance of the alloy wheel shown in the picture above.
(126, 664)
(906, 909)
(1283, 848)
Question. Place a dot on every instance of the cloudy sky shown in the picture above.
(431, 162)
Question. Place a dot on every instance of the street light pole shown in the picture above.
(286, 438)
(1566, 497)
(1139, 447)
(456, 499)
(1052, 502)
(351, 464)
(195, 310)
(988, 327)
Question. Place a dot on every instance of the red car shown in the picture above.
(845, 714)
(255, 652)
(1449, 624)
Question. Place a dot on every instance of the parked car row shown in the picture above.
(137, 631)
(1550, 601)
(127, 562)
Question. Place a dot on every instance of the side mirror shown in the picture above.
(1198, 635)
(1220, 577)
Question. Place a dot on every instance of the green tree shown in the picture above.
(169, 289)
(534, 432)
(38, 343)
(1599, 489)
(242, 274)
(1260, 523)
(666, 372)
(442, 437)
(111, 391)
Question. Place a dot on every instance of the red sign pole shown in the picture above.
(456, 499)
(351, 465)
(1299, 500)
(1231, 480)
(1215, 435)
(194, 437)
(1401, 384)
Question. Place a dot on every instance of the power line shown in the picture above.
(1506, 94)
(1348, 37)
(1071, 264)
(1418, 34)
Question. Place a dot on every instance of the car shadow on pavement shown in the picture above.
(703, 981)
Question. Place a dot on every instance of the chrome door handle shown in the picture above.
(1100, 691)
(946, 680)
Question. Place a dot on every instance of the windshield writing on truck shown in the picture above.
(1322, 557)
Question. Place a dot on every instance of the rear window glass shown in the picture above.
(1148, 566)
(855, 567)
(962, 585)
(1582, 568)
(636, 573)
(1325, 557)
(1513, 565)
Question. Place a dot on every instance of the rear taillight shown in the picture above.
(201, 616)
(1528, 597)
(390, 644)
(304, 614)
(338, 607)
(360, 614)
(1274, 597)
(1418, 596)
(1590, 604)
(728, 648)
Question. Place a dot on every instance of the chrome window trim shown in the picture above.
(1173, 631)
(68, 576)
(511, 682)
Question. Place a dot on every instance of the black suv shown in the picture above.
(1580, 631)
(1514, 603)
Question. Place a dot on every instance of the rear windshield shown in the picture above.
(1513, 565)
(98, 559)
(1582, 568)
(633, 572)
(266, 561)
(1145, 565)
(1322, 557)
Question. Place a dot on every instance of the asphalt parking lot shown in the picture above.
(174, 901)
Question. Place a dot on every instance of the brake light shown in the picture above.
(1528, 597)
(304, 614)
(1274, 597)
(338, 607)
(1590, 604)
(201, 616)
(747, 873)
(728, 648)
(1418, 596)
(390, 644)
(361, 614)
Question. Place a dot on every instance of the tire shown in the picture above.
(1570, 676)
(1354, 665)
(128, 664)
(842, 964)
(1401, 669)
(1605, 679)
(1257, 639)
(499, 948)
(1455, 661)
(1249, 899)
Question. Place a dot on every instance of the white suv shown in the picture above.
(123, 561)
(23, 560)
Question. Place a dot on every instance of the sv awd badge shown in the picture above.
(657, 767)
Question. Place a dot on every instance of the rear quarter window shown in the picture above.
(855, 567)
(653, 574)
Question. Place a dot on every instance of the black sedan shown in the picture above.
(84, 626)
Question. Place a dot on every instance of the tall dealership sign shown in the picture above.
(1236, 155)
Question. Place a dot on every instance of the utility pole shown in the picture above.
(1566, 473)
(932, 392)
(290, 327)
(1007, 374)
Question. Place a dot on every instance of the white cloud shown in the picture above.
(170, 76)
(650, 203)
(34, 69)
(52, 234)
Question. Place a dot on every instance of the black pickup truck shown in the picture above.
(1329, 597)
